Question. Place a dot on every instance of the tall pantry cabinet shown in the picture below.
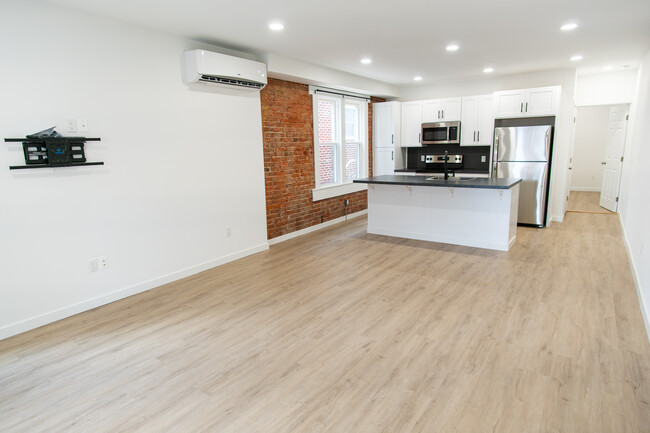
(386, 127)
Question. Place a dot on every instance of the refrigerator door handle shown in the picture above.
(495, 154)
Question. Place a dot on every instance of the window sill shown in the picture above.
(336, 190)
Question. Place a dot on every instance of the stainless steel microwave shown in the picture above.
(441, 133)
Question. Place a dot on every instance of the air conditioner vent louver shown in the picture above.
(215, 69)
(231, 81)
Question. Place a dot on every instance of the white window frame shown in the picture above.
(342, 186)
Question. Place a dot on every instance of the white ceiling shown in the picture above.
(405, 38)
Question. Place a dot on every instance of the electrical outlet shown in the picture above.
(92, 265)
(422, 158)
(82, 125)
(347, 202)
(483, 158)
(228, 232)
(103, 262)
(72, 125)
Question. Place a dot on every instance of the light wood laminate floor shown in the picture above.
(340, 331)
(585, 201)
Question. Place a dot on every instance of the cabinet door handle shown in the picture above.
(526, 107)
(420, 137)
(392, 139)
(443, 114)
(478, 135)
(438, 114)
(391, 155)
(521, 110)
(474, 136)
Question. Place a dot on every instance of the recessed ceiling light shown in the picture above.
(576, 58)
(366, 61)
(417, 78)
(488, 70)
(452, 47)
(569, 26)
(276, 26)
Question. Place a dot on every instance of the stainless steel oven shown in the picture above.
(441, 133)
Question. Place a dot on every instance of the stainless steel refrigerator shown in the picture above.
(525, 152)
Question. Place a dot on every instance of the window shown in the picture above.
(340, 143)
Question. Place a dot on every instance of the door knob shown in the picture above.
(603, 163)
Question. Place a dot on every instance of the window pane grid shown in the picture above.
(327, 163)
(352, 161)
(327, 124)
(340, 139)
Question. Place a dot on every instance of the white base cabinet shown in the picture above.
(383, 161)
(474, 217)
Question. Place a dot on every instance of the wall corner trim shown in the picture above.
(70, 310)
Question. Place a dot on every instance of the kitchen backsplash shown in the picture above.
(471, 156)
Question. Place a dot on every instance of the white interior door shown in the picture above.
(613, 157)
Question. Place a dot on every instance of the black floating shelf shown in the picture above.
(52, 152)
(78, 164)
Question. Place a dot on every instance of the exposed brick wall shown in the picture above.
(287, 127)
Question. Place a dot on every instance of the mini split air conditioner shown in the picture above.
(213, 68)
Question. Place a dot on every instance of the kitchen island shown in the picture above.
(475, 212)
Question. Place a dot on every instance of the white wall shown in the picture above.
(616, 87)
(181, 165)
(589, 148)
(635, 192)
(563, 124)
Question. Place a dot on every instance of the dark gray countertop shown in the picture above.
(479, 182)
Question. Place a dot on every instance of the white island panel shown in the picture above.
(484, 218)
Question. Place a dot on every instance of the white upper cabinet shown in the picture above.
(411, 124)
(450, 108)
(541, 101)
(485, 125)
(477, 121)
(440, 110)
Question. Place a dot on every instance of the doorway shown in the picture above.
(596, 164)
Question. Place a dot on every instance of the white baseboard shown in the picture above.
(70, 310)
(585, 188)
(314, 228)
(645, 308)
